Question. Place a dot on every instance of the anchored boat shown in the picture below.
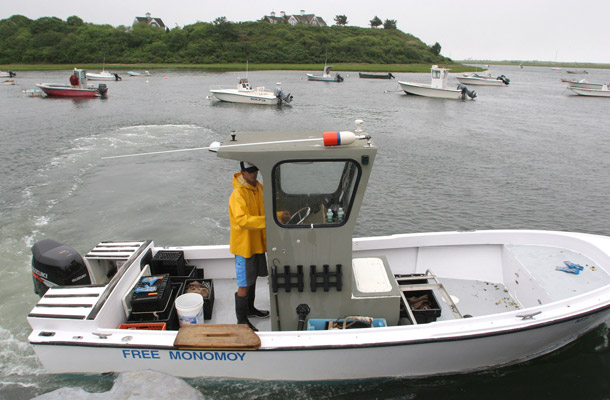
(601, 91)
(245, 93)
(78, 87)
(326, 76)
(438, 87)
(405, 305)
(483, 80)
(372, 75)
(103, 76)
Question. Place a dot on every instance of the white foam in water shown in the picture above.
(134, 385)
(16, 357)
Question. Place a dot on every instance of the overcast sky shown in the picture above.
(546, 30)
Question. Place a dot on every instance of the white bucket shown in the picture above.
(190, 308)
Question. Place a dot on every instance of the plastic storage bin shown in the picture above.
(168, 261)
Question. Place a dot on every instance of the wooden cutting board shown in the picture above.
(217, 337)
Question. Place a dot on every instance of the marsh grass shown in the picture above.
(242, 67)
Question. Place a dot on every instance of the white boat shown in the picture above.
(33, 92)
(103, 76)
(245, 93)
(483, 80)
(342, 308)
(601, 92)
(438, 87)
(135, 73)
(7, 74)
(8, 82)
(326, 76)
(583, 84)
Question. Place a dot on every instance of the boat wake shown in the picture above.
(129, 385)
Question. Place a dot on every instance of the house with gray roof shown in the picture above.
(156, 22)
(302, 18)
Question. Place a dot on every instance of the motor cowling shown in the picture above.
(102, 89)
(503, 79)
(54, 264)
(465, 91)
(281, 96)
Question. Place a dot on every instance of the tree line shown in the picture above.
(54, 41)
(374, 23)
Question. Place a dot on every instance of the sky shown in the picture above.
(543, 30)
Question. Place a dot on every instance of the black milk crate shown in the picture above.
(190, 272)
(151, 293)
(168, 261)
(167, 315)
(208, 303)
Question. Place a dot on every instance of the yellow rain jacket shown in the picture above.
(247, 216)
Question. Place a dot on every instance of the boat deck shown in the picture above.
(528, 278)
(473, 298)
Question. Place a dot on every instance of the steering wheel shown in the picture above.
(302, 214)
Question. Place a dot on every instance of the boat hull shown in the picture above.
(336, 78)
(134, 73)
(68, 91)
(444, 347)
(590, 92)
(103, 76)
(405, 358)
(375, 76)
(585, 85)
(428, 91)
(234, 96)
(467, 80)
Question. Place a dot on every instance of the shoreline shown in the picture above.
(458, 66)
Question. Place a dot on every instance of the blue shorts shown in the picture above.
(248, 269)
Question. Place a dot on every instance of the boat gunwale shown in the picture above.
(387, 343)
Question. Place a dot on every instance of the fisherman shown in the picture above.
(248, 240)
(74, 79)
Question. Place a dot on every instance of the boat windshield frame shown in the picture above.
(315, 185)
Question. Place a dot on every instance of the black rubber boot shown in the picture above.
(252, 311)
(241, 311)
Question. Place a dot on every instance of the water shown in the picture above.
(524, 156)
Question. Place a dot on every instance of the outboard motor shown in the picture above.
(339, 78)
(281, 96)
(102, 89)
(503, 79)
(54, 264)
(465, 91)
